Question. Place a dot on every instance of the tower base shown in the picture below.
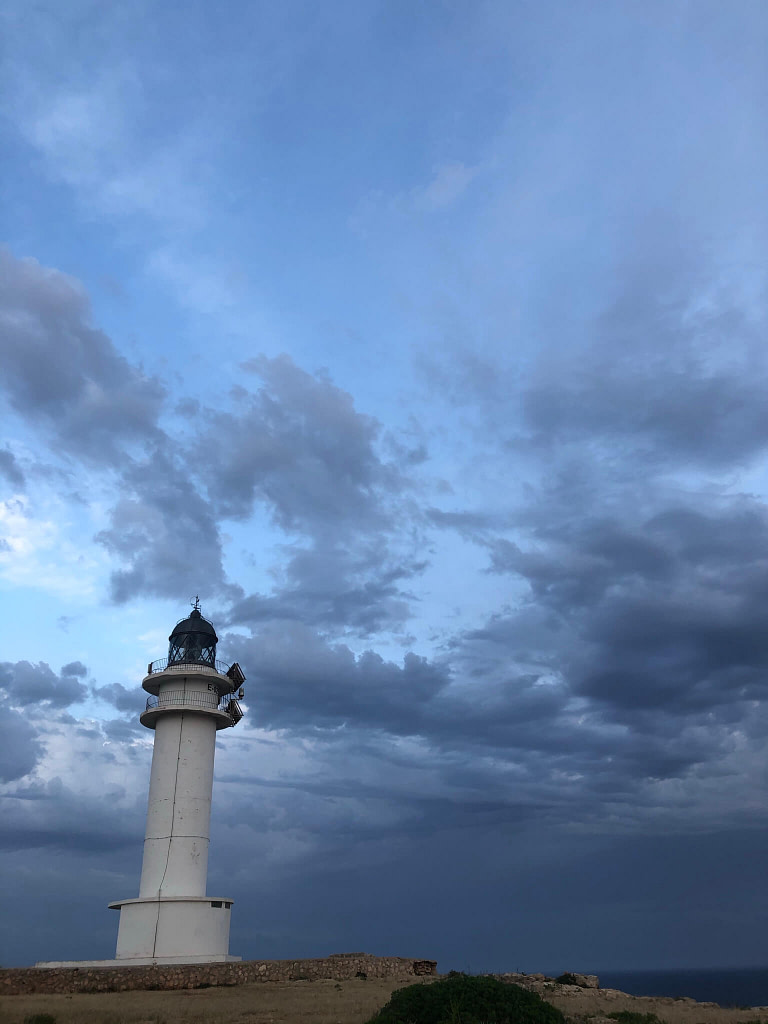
(141, 961)
(171, 929)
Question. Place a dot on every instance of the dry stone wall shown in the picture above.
(338, 966)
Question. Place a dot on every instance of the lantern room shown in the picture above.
(193, 640)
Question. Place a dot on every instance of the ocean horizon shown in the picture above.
(733, 986)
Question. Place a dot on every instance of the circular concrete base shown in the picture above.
(173, 930)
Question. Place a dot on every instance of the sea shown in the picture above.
(738, 986)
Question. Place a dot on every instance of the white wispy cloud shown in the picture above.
(450, 182)
(41, 553)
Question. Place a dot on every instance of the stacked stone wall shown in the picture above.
(338, 967)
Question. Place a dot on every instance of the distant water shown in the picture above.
(731, 987)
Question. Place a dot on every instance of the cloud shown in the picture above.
(450, 182)
(40, 815)
(335, 588)
(25, 686)
(303, 682)
(74, 668)
(164, 531)
(124, 699)
(701, 416)
(24, 683)
(667, 610)
(633, 667)
(10, 468)
(36, 551)
(671, 371)
(299, 445)
(295, 445)
(66, 374)
(20, 747)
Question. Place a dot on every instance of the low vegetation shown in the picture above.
(632, 1017)
(464, 999)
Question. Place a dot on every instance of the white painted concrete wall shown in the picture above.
(179, 812)
(173, 921)
(158, 929)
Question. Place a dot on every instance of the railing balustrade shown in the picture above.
(189, 699)
(187, 666)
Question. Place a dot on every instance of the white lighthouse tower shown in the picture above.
(192, 696)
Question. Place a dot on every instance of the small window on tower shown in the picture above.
(216, 903)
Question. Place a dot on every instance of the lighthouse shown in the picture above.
(191, 697)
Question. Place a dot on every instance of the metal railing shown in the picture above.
(189, 699)
(188, 666)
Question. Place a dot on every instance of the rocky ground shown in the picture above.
(347, 1002)
(582, 1000)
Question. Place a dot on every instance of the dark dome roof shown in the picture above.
(194, 623)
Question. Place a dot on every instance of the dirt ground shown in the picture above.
(302, 1002)
(596, 1004)
(324, 1002)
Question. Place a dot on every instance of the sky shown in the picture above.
(426, 343)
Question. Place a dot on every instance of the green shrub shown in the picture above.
(463, 999)
(633, 1017)
(566, 979)
(40, 1018)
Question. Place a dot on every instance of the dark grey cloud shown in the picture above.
(610, 886)
(734, 535)
(127, 728)
(673, 373)
(301, 681)
(299, 445)
(60, 371)
(637, 586)
(20, 747)
(534, 743)
(65, 376)
(24, 683)
(121, 697)
(293, 444)
(24, 686)
(637, 599)
(36, 816)
(636, 654)
(361, 591)
(74, 668)
(10, 469)
(164, 531)
(571, 574)
(706, 417)
(62, 878)
(663, 613)
(467, 523)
